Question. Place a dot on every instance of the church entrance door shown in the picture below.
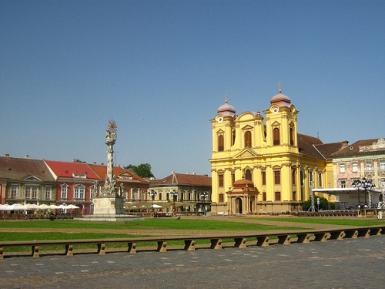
(238, 206)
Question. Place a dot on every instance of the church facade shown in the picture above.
(261, 164)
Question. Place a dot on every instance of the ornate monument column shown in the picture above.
(109, 203)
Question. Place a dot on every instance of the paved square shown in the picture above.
(352, 263)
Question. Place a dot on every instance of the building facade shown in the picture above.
(25, 180)
(267, 150)
(131, 187)
(362, 159)
(75, 183)
(180, 192)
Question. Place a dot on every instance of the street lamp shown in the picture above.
(174, 195)
(152, 194)
(365, 185)
(204, 196)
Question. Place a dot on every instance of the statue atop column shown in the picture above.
(109, 184)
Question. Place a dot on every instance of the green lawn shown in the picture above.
(327, 220)
(166, 223)
(27, 236)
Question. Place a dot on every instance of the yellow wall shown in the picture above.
(263, 155)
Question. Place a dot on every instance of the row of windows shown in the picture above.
(248, 142)
(31, 192)
(180, 197)
(368, 166)
(79, 192)
(277, 177)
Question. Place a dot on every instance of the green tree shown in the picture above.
(324, 204)
(142, 170)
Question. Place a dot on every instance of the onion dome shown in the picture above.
(226, 109)
(280, 99)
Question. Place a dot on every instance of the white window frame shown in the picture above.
(80, 192)
(382, 165)
(342, 168)
(342, 183)
(28, 192)
(14, 191)
(355, 167)
(64, 192)
(48, 192)
(35, 192)
(369, 166)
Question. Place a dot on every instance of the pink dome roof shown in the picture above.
(280, 99)
(226, 109)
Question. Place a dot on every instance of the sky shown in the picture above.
(160, 69)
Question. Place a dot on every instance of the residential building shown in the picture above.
(75, 181)
(129, 185)
(182, 192)
(25, 180)
(362, 159)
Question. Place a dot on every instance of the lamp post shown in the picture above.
(204, 196)
(152, 194)
(174, 195)
(312, 207)
(366, 185)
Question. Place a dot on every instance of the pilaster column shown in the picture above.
(214, 187)
(269, 183)
(286, 184)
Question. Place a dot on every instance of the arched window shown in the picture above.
(247, 139)
(248, 175)
(276, 138)
(220, 143)
(291, 135)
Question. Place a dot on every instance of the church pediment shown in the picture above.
(246, 153)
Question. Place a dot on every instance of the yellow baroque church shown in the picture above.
(261, 164)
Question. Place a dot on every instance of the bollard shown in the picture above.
(189, 245)
(263, 241)
(101, 248)
(283, 239)
(35, 251)
(240, 242)
(162, 246)
(216, 244)
(69, 250)
(304, 238)
(131, 247)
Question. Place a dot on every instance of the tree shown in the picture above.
(142, 170)
(324, 204)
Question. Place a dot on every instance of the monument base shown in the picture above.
(109, 218)
(108, 209)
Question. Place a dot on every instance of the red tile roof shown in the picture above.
(70, 169)
(101, 171)
(183, 180)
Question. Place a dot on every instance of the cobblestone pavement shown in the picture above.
(352, 263)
